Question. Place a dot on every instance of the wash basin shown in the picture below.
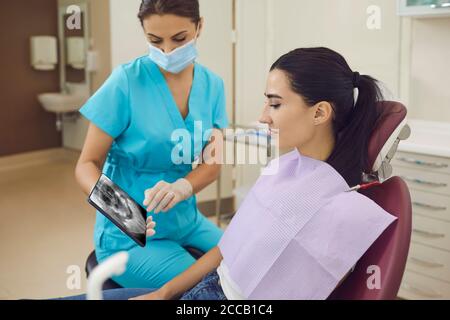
(61, 102)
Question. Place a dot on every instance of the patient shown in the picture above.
(299, 232)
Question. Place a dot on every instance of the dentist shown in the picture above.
(130, 139)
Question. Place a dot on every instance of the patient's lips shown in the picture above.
(273, 131)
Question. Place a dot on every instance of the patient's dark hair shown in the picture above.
(321, 74)
(182, 8)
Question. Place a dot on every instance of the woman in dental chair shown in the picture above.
(301, 229)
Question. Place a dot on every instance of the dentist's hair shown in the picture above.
(182, 8)
(321, 74)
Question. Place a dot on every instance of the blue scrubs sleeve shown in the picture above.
(109, 108)
(220, 120)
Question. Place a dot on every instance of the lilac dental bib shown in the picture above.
(299, 232)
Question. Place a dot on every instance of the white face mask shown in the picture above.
(177, 60)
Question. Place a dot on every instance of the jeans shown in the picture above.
(207, 289)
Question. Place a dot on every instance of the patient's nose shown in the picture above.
(265, 117)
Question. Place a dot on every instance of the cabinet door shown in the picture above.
(424, 8)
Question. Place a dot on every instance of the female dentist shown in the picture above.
(130, 139)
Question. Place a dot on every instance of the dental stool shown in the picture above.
(387, 256)
(91, 263)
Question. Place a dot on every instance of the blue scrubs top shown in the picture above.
(136, 108)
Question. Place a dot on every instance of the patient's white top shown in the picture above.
(229, 287)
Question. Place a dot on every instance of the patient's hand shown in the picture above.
(155, 295)
(150, 227)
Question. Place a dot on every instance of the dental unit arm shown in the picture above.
(113, 266)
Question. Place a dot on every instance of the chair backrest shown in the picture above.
(379, 272)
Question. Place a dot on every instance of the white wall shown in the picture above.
(338, 24)
(127, 38)
(270, 28)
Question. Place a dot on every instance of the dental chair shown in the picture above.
(389, 252)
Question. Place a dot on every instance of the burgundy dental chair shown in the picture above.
(389, 252)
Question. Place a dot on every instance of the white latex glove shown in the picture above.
(164, 196)
(150, 226)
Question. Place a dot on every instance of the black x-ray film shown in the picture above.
(120, 208)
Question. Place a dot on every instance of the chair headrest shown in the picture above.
(390, 128)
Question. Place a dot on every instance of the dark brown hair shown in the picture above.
(182, 8)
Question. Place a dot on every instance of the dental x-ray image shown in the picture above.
(120, 208)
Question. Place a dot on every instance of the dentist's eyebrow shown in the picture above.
(272, 96)
(178, 34)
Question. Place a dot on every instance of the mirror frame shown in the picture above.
(62, 11)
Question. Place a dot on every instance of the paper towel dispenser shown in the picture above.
(76, 52)
(44, 52)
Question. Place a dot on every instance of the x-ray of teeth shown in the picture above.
(119, 206)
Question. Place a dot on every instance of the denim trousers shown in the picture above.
(207, 289)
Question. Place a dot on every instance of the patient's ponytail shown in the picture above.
(349, 156)
(321, 74)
